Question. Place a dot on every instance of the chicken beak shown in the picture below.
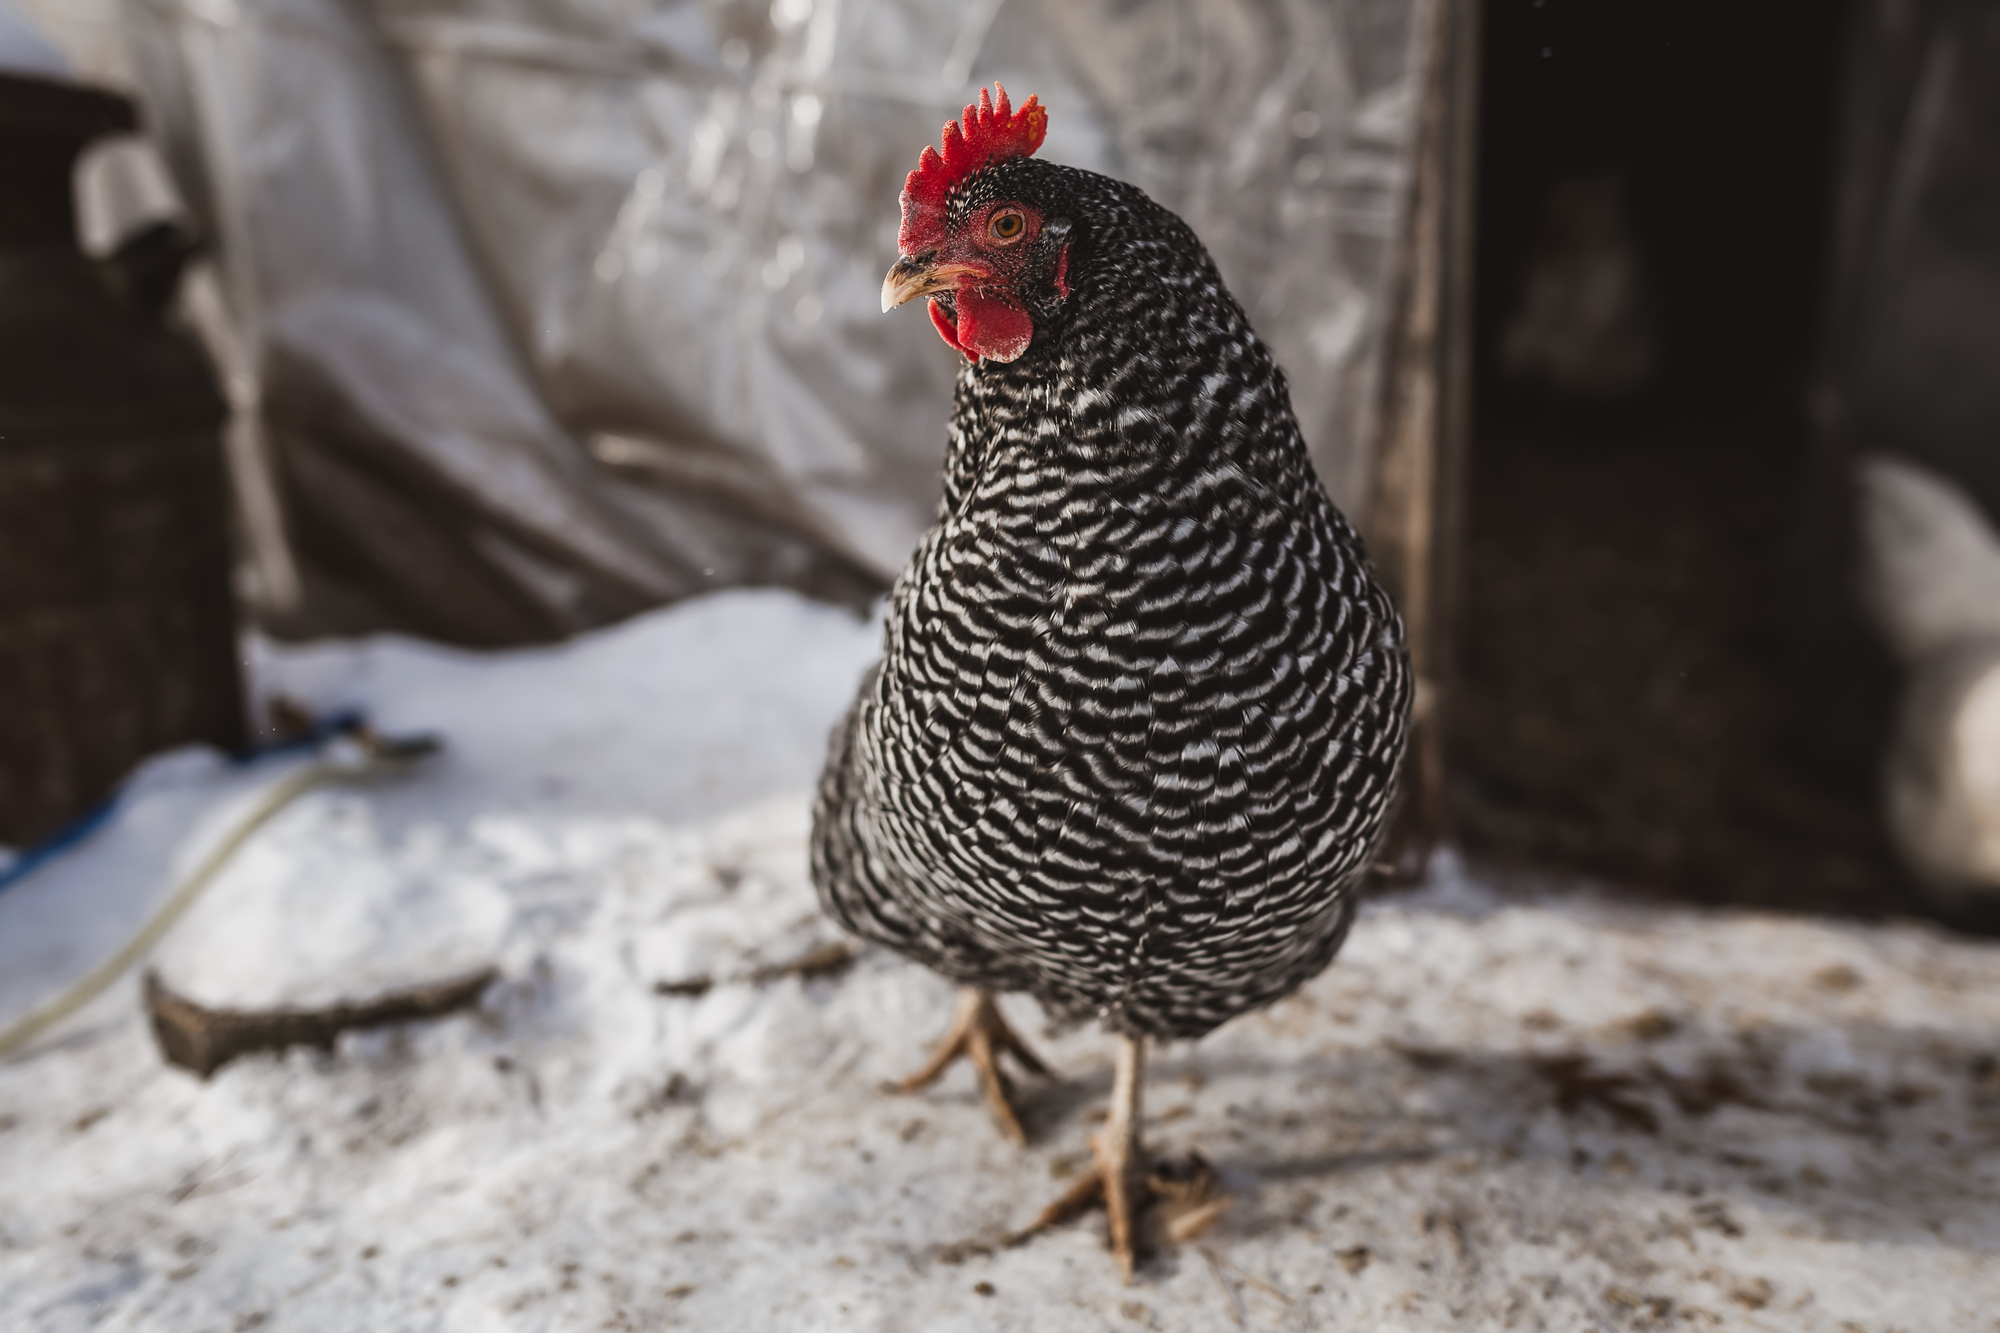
(911, 278)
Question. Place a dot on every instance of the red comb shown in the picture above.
(992, 132)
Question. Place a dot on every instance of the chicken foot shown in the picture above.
(1123, 1180)
(979, 1033)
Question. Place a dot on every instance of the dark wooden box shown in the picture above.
(117, 625)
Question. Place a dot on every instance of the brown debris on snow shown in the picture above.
(203, 1040)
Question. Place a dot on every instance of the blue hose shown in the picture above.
(81, 829)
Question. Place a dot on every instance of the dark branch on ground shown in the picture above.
(203, 1040)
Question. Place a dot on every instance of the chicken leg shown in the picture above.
(1125, 1181)
(979, 1033)
(1117, 1163)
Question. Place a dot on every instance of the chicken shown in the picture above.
(1141, 708)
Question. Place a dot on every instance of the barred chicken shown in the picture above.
(1141, 709)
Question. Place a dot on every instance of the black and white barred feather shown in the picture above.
(1138, 722)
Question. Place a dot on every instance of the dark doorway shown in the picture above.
(1662, 680)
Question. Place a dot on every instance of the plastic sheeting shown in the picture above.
(552, 309)
(25, 51)
(1915, 352)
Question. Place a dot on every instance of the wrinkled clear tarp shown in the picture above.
(547, 310)
(25, 51)
(1914, 352)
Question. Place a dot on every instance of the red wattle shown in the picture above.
(949, 331)
(992, 327)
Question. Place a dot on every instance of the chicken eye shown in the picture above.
(1005, 226)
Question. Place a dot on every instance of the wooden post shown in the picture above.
(1416, 511)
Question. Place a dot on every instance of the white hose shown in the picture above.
(376, 757)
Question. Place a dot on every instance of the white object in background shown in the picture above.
(123, 184)
(1932, 583)
(1933, 561)
(1943, 785)
(23, 50)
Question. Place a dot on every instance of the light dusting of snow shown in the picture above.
(1491, 1113)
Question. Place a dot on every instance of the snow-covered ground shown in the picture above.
(1494, 1112)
